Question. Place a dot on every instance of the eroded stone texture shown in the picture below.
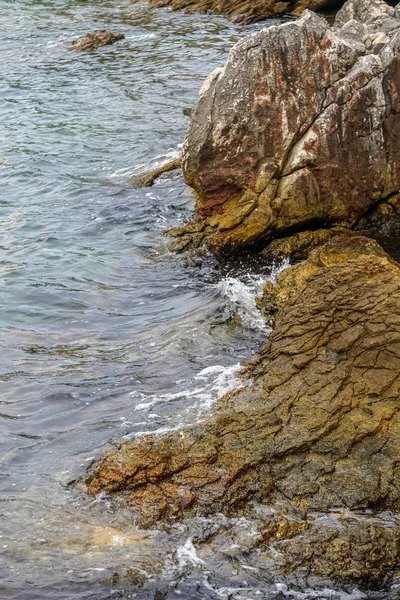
(96, 39)
(346, 547)
(299, 129)
(247, 11)
(320, 424)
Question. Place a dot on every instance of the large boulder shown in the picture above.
(246, 11)
(299, 130)
(320, 424)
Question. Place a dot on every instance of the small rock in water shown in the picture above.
(96, 39)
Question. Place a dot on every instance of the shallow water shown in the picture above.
(105, 334)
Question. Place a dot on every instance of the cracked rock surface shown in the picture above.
(308, 547)
(318, 425)
(299, 130)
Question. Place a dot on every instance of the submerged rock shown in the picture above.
(147, 179)
(96, 39)
(342, 546)
(247, 11)
(308, 548)
(300, 244)
(299, 130)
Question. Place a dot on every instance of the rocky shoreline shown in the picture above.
(317, 429)
(294, 149)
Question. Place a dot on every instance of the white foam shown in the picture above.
(121, 175)
(242, 292)
(278, 268)
(241, 300)
(324, 594)
(187, 555)
(217, 380)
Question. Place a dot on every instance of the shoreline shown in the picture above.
(316, 428)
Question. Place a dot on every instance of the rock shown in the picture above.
(247, 11)
(319, 424)
(148, 179)
(300, 244)
(299, 130)
(384, 218)
(96, 39)
(344, 547)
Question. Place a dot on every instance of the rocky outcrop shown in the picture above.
(319, 425)
(299, 245)
(299, 130)
(247, 11)
(96, 39)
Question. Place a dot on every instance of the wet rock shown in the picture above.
(300, 244)
(299, 130)
(148, 179)
(345, 547)
(384, 218)
(320, 423)
(247, 11)
(309, 548)
(96, 39)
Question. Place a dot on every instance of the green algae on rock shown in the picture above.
(299, 245)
